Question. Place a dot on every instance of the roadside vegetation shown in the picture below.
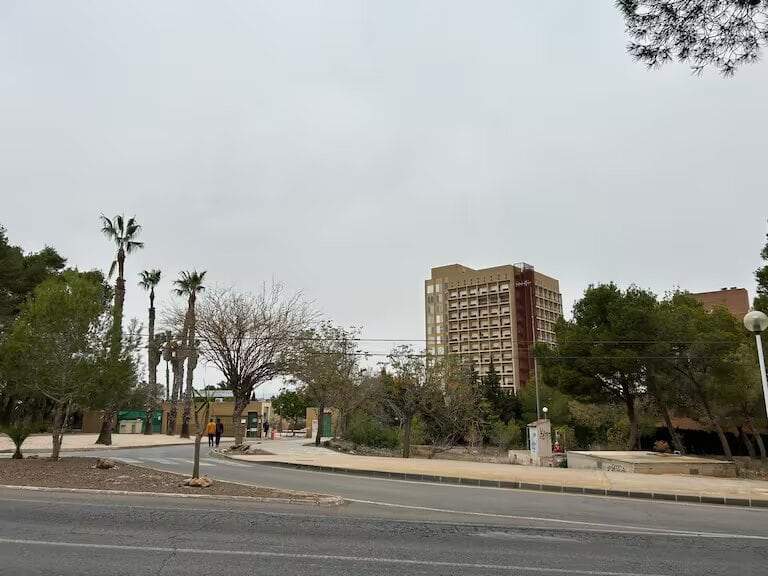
(626, 366)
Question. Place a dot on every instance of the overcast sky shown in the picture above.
(346, 147)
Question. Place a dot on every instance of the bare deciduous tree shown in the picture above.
(249, 336)
(450, 406)
(406, 388)
(325, 364)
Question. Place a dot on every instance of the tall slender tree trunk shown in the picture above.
(177, 364)
(191, 365)
(186, 413)
(117, 334)
(634, 436)
(110, 411)
(153, 358)
(407, 436)
(714, 421)
(200, 426)
(241, 401)
(723, 439)
(758, 439)
(677, 443)
(319, 435)
(60, 416)
(747, 442)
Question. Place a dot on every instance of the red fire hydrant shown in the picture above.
(272, 434)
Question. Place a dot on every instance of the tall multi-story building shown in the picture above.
(492, 316)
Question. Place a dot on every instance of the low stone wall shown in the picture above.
(523, 458)
(650, 463)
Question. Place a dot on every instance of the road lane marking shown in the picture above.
(230, 463)
(160, 460)
(327, 557)
(128, 460)
(190, 461)
(636, 529)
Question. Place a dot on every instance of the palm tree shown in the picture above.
(189, 284)
(123, 233)
(150, 279)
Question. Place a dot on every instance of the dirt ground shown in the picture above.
(81, 473)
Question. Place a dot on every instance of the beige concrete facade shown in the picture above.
(256, 410)
(491, 316)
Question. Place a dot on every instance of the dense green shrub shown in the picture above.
(363, 430)
(506, 436)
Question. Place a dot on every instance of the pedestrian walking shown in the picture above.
(266, 428)
(219, 430)
(211, 430)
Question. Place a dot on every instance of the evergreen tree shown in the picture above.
(761, 276)
(500, 404)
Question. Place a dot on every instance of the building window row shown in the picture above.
(479, 291)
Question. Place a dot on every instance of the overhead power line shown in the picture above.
(436, 342)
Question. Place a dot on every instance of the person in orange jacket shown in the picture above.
(211, 431)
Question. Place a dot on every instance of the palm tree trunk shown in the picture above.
(177, 364)
(108, 417)
(117, 328)
(153, 359)
(186, 415)
(191, 365)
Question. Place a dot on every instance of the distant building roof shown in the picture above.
(735, 300)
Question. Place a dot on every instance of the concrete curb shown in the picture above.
(324, 501)
(95, 448)
(455, 480)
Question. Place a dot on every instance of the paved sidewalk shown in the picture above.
(77, 442)
(297, 452)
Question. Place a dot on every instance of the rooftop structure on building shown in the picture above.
(735, 300)
(491, 317)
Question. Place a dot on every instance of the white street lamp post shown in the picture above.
(757, 322)
(545, 410)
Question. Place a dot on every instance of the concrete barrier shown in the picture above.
(650, 463)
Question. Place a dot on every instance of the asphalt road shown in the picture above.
(87, 535)
(416, 500)
(388, 527)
